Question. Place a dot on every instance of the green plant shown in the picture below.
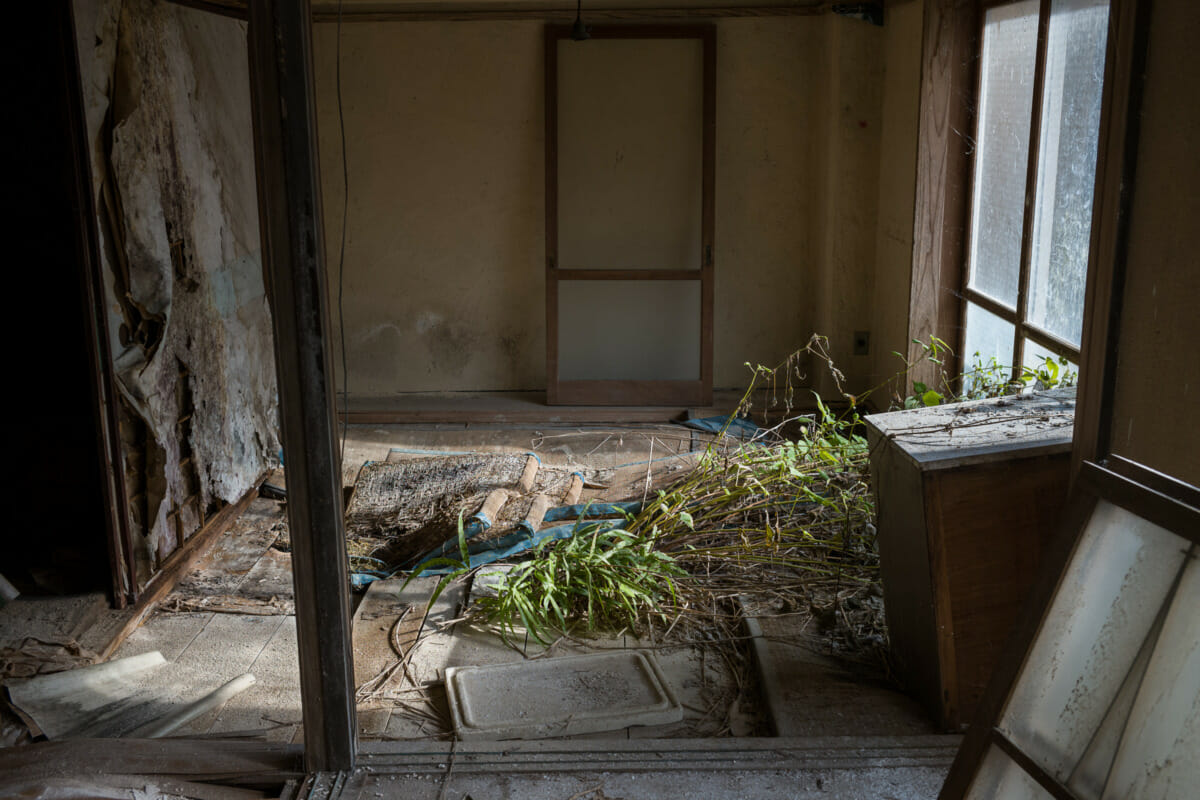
(608, 578)
(1051, 372)
(982, 379)
(458, 566)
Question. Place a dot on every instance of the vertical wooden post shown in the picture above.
(943, 178)
(285, 133)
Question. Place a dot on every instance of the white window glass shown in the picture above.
(989, 336)
(1002, 141)
(1109, 598)
(1070, 127)
(1090, 774)
(999, 777)
(1160, 750)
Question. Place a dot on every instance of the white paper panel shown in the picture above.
(629, 330)
(630, 144)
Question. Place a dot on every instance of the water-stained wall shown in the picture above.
(167, 98)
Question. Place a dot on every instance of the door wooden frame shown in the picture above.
(632, 392)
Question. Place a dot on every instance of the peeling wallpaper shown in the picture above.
(167, 97)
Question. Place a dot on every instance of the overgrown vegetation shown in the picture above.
(782, 524)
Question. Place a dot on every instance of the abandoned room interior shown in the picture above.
(609, 399)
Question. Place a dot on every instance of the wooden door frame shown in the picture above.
(633, 392)
(118, 532)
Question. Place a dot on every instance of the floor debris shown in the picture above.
(107, 700)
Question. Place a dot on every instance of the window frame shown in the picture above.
(1023, 329)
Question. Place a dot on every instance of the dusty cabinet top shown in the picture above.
(978, 431)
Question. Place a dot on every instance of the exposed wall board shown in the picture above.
(850, 161)
(769, 131)
(167, 97)
(444, 255)
(1158, 371)
(897, 180)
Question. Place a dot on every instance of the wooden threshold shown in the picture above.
(521, 408)
(233, 762)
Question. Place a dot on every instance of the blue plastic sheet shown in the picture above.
(593, 511)
(514, 543)
(739, 427)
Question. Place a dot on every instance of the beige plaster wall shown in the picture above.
(770, 111)
(1158, 369)
(853, 99)
(444, 256)
(443, 266)
(897, 182)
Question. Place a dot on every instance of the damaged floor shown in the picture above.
(233, 614)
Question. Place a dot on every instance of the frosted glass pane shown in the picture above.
(629, 330)
(1062, 222)
(1107, 601)
(990, 337)
(1002, 155)
(1091, 773)
(999, 778)
(1160, 752)
(630, 144)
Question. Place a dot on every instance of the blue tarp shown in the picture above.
(506, 546)
(593, 511)
(739, 427)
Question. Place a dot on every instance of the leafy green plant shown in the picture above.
(458, 566)
(1051, 372)
(982, 379)
(606, 578)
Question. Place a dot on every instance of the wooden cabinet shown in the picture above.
(966, 496)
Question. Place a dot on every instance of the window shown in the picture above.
(1041, 72)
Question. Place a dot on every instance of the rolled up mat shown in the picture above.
(491, 508)
(574, 489)
(537, 512)
(530, 474)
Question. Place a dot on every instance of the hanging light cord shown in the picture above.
(342, 251)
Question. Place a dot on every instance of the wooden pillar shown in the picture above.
(943, 176)
(285, 132)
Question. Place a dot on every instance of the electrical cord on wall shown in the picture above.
(342, 251)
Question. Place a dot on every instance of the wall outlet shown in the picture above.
(862, 343)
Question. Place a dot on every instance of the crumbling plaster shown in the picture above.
(167, 99)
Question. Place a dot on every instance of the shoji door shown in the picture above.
(629, 216)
